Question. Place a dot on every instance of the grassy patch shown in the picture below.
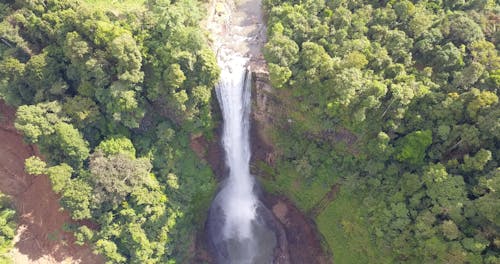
(115, 5)
(347, 232)
(303, 192)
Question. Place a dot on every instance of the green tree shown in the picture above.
(110, 250)
(412, 147)
(173, 77)
(476, 162)
(12, 87)
(463, 30)
(67, 144)
(487, 205)
(78, 197)
(281, 50)
(42, 77)
(76, 48)
(82, 110)
(60, 177)
(450, 230)
(484, 52)
(116, 176)
(37, 120)
(128, 56)
(279, 75)
(482, 99)
(116, 145)
(35, 166)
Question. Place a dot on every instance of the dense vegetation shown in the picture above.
(396, 101)
(112, 96)
(7, 228)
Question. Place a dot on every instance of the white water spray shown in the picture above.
(233, 93)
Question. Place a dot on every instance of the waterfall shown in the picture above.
(233, 93)
(240, 228)
(237, 220)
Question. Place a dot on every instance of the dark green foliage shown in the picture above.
(112, 99)
(401, 99)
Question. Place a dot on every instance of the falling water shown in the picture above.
(233, 93)
(236, 226)
(240, 228)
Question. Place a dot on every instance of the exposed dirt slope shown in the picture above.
(40, 238)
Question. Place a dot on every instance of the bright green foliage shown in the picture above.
(60, 176)
(412, 147)
(358, 246)
(83, 234)
(11, 73)
(7, 228)
(77, 196)
(67, 144)
(278, 75)
(282, 50)
(109, 249)
(484, 52)
(483, 99)
(38, 120)
(173, 76)
(35, 166)
(117, 145)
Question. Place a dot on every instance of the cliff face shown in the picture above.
(303, 240)
(262, 119)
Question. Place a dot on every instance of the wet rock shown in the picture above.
(261, 117)
(269, 238)
(303, 240)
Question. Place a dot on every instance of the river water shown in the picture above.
(238, 223)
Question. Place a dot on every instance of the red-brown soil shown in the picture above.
(40, 237)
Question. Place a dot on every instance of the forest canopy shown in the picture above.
(396, 101)
(112, 95)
